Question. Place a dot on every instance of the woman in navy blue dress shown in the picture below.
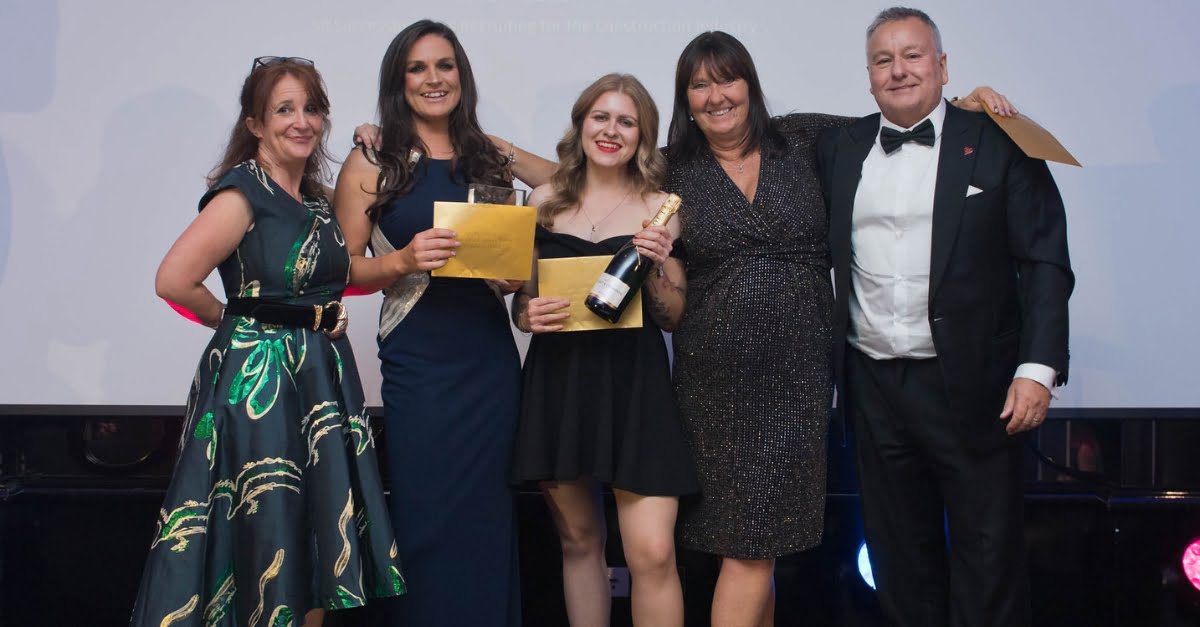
(451, 372)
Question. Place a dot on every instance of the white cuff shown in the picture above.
(1038, 372)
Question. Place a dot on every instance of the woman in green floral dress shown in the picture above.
(275, 512)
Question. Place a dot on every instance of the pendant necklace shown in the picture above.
(592, 234)
(741, 163)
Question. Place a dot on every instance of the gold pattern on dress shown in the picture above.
(343, 559)
(259, 173)
(355, 600)
(210, 451)
(270, 573)
(246, 491)
(274, 353)
(252, 289)
(189, 411)
(392, 552)
(360, 429)
(187, 520)
(181, 613)
(321, 420)
(280, 610)
(222, 600)
(337, 360)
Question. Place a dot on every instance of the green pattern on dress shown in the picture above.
(222, 600)
(282, 618)
(276, 447)
(360, 430)
(206, 431)
(274, 352)
(258, 478)
(189, 519)
(322, 420)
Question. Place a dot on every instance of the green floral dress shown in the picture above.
(276, 505)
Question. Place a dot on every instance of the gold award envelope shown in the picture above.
(1036, 141)
(572, 278)
(497, 240)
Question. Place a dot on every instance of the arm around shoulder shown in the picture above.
(529, 168)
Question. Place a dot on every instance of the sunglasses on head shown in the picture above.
(263, 61)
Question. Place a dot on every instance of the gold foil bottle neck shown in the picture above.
(668, 209)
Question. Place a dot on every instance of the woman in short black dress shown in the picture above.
(597, 405)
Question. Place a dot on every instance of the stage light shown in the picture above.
(864, 565)
(1191, 563)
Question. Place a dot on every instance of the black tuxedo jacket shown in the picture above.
(1000, 274)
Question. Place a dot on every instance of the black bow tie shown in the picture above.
(892, 140)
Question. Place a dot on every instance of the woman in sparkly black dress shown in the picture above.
(752, 354)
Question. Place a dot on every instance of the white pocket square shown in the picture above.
(972, 190)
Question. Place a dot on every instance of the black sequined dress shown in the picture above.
(752, 354)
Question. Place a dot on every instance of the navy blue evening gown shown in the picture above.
(451, 394)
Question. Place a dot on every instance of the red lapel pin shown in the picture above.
(967, 150)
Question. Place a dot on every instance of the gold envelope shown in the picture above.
(572, 278)
(497, 240)
(1036, 141)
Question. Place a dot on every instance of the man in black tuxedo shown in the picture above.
(952, 277)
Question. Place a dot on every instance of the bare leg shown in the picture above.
(579, 516)
(648, 534)
(745, 595)
(769, 619)
(314, 618)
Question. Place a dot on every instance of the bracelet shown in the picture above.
(511, 158)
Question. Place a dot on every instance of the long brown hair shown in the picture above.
(725, 58)
(255, 98)
(476, 159)
(646, 169)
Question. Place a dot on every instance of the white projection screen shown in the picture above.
(112, 112)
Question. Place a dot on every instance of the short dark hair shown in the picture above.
(725, 58)
(896, 14)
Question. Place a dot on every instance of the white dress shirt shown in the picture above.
(891, 239)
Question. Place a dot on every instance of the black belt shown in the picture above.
(330, 317)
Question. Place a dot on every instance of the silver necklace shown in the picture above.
(741, 163)
(592, 234)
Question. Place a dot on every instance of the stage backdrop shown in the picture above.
(112, 112)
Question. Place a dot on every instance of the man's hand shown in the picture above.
(1025, 407)
(985, 97)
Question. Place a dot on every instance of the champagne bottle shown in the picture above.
(626, 272)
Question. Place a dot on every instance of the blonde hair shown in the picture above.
(647, 168)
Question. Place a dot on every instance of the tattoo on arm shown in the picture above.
(660, 309)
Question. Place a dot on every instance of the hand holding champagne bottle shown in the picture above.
(628, 269)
